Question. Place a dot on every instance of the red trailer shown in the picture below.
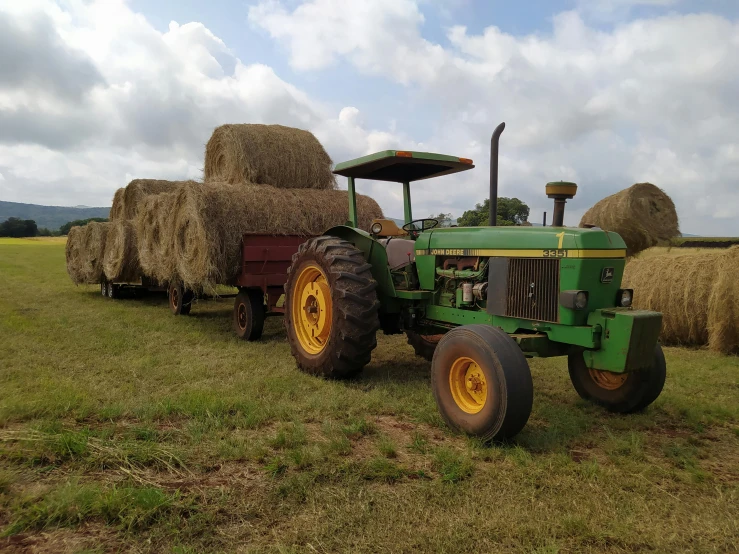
(265, 260)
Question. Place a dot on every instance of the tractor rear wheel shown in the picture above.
(248, 316)
(619, 392)
(423, 345)
(331, 308)
(180, 299)
(482, 382)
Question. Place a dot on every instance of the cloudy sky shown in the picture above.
(601, 92)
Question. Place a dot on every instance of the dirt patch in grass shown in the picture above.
(241, 476)
(90, 537)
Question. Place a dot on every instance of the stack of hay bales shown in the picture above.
(85, 252)
(128, 200)
(99, 251)
(209, 221)
(697, 294)
(122, 260)
(265, 179)
(642, 214)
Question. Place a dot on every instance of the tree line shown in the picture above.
(16, 227)
(511, 211)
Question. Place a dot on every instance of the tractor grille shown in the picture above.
(533, 289)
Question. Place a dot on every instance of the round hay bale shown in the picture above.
(723, 305)
(642, 214)
(275, 155)
(209, 221)
(696, 294)
(73, 252)
(117, 208)
(93, 251)
(121, 260)
(154, 237)
(127, 201)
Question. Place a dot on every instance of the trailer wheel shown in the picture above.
(112, 290)
(331, 308)
(423, 345)
(248, 314)
(180, 299)
(619, 392)
(482, 382)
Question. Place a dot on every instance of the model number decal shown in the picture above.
(555, 253)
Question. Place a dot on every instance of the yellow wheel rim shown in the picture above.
(311, 309)
(468, 385)
(608, 380)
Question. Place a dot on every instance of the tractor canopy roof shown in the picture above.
(402, 166)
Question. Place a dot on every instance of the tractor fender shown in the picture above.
(373, 252)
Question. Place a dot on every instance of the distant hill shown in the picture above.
(51, 217)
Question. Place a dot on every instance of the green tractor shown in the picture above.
(475, 301)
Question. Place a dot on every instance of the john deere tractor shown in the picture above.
(475, 301)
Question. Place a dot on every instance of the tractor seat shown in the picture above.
(398, 250)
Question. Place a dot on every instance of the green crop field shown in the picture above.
(123, 428)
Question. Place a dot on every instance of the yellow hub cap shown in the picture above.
(468, 385)
(311, 309)
(607, 380)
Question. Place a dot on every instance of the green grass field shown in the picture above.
(123, 428)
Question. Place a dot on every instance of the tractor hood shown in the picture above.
(535, 242)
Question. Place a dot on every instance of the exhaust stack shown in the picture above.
(561, 192)
(494, 140)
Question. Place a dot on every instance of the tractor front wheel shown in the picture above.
(423, 345)
(248, 316)
(331, 308)
(482, 382)
(619, 392)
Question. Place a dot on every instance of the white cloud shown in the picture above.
(377, 36)
(146, 108)
(96, 95)
(650, 99)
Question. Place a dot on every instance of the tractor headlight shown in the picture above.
(376, 228)
(574, 299)
(625, 298)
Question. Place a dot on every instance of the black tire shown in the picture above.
(423, 345)
(180, 299)
(248, 314)
(505, 409)
(112, 290)
(351, 335)
(635, 390)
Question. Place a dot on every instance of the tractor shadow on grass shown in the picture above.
(382, 372)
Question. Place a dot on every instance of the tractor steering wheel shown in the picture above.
(426, 223)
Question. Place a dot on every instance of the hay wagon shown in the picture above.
(265, 260)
